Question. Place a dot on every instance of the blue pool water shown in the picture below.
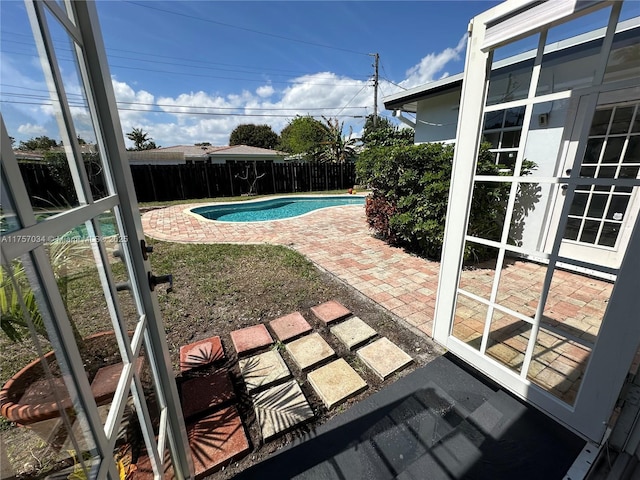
(273, 209)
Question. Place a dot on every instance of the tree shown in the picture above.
(304, 136)
(141, 140)
(261, 136)
(38, 143)
(385, 134)
(337, 149)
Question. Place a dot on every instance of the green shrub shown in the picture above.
(410, 186)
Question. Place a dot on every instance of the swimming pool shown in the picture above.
(274, 208)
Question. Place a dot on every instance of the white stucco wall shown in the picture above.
(437, 118)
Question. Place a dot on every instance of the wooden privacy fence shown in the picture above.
(183, 182)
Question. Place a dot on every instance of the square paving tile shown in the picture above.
(281, 408)
(290, 326)
(248, 339)
(384, 357)
(214, 441)
(330, 311)
(309, 351)
(203, 393)
(105, 382)
(201, 353)
(353, 332)
(263, 370)
(336, 382)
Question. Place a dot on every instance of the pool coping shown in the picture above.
(188, 211)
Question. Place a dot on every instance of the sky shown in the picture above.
(189, 72)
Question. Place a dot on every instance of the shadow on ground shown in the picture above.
(439, 422)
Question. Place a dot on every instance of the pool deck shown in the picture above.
(338, 240)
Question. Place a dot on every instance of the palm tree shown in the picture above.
(338, 149)
(141, 140)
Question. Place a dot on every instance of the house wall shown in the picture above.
(437, 118)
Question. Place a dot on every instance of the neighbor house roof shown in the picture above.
(195, 152)
(407, 100)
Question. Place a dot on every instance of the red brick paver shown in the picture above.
(330, 311)
(246, 340)
(290, 326)
(204, 393)
(201, 353)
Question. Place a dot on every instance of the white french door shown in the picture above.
(88, 245)
(561, 340)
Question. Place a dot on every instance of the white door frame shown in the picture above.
(618, 339)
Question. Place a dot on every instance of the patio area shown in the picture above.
(338, 240)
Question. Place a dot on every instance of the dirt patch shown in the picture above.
(264, 291)
(218, 289)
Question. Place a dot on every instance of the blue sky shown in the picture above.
(188, 72)
(275, 59)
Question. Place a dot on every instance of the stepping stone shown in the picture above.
(330, 311)
(248, 339)
(353, 332)
(203, 393)
(201, 353)
(281, 408)
(105, 382)
(263, 370)
(290, 326)
(384, 357)
(336, 382)
(309, 351)
(215, 441)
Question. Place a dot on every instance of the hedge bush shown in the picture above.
(410, 187)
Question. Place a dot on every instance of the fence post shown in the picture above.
(230, 178)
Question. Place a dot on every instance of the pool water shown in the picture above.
(273, 209)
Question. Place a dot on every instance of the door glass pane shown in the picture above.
(632, 155)
(8, 220)
(621, 120)
(469, 321)
(49, 432)
(600, 122)
(478, 273)
(488, 210)
(83, 125)
(507, 340)
(527, 217)
(558, 364)
(520, 285)
(576, 304)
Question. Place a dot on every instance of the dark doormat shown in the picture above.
(439, 422)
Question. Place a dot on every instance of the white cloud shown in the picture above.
(265, 91)
(429, 67)
(32, 130)
(199, 116)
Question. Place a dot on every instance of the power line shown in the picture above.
(171, 105)
(251, 69)
(282, 37)
(213, 114)
(219, 77)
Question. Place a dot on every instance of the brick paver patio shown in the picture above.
(339, 241)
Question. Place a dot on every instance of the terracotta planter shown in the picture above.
(29, 397)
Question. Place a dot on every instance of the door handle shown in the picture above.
(156, 280)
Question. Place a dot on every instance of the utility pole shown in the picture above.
(375, 88)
